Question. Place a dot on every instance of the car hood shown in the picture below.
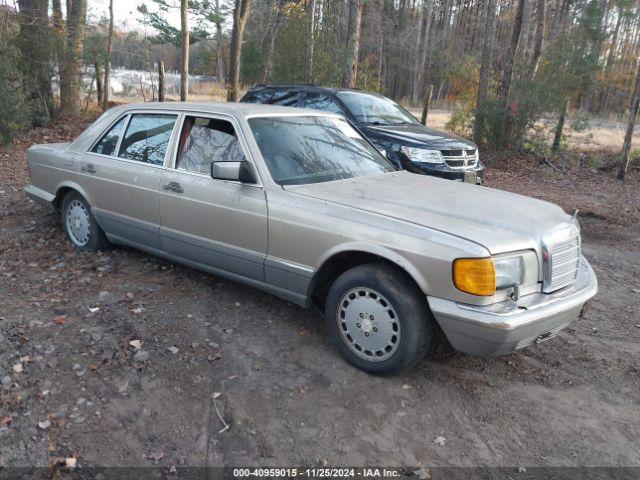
(500, 221)
(417, 135)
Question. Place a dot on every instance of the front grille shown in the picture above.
(561, 257)
(460, 158)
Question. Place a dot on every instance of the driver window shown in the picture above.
(206, 140)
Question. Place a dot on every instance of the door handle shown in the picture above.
(88, 168)
(173, 187)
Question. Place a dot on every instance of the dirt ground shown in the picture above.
(214, 353)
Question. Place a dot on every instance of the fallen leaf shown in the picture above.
(440, 441)
(216, 395)
(44, 424)
(17, 368)
(303, 391)
(406, 387)
(155, 456)
(137, 344)
(94, 309)
(5, 421)
(70, 462)
(137, 310)
(61, 320)
(173, 349)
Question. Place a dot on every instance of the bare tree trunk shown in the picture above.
(507, 75)
(311, 25)
(539, 40)
(633, 113)
(220, 60)
(353, 46)
(58, 33)
(184, 58)
(34, 48)
(71, 72)
(485, 66)
(99, 89)
(557, 138)
(161, 81)
(610, 60)
(427, 101)
(240, 15)
(107, 66)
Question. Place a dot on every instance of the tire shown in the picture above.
(80, 225)
(398, 332)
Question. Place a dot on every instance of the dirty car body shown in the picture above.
(299, 204)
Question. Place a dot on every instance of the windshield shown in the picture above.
(374, 110)
(311, 149)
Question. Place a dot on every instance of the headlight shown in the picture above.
(422, 155)
(509, 272)
(483, 276)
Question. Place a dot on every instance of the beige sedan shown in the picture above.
(299, 204)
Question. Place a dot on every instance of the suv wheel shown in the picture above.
(379, 319)
(80, 225)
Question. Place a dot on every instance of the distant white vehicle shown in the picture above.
(115, 87)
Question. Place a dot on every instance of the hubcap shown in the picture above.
(78, 223)
(368, 324)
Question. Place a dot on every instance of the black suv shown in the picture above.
(392, 129)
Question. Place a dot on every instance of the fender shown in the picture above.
(380, 251)
(74, 186)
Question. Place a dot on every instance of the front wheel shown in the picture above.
(80, 225)
(379, 319)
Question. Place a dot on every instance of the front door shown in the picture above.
(124, 170)
(218, 223)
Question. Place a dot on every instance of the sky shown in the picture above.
(125, 12)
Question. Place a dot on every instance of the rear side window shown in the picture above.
(147, 138)
(287, 98)
(257, 96)
(206, 140)
(108, 143)
(320, 101)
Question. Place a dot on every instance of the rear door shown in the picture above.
(218, 223)
(124, 169)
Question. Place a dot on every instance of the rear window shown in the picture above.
(287, 98)
(147, 138)
(257, 96)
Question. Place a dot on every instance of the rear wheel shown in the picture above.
(379, 319)
(81, 226)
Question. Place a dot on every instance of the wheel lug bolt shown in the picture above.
(370, 317)
(358, 325)
(366, 334)
(375, 329)
(362, 315)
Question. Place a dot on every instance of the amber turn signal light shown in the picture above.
(475, 275)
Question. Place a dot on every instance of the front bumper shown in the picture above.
(501, 328)
(444, 171)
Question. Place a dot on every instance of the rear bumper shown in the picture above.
(501, 328)
(40, 196)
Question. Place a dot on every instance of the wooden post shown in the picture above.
(99, 91)
(425, 110)
(161, 82)
(559, 127)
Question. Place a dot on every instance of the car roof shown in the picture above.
(307, 87)
(234, 109)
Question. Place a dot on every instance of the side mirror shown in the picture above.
(234, 171)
